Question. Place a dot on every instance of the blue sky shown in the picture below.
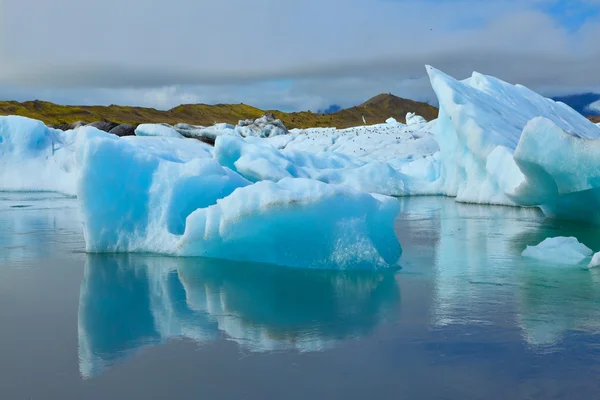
(287, 54)
(571, 14)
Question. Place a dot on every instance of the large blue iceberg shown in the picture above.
(135, 199)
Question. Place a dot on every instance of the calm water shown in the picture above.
(465, 318)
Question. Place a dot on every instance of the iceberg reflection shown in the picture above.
(131, 301)
(477, 257)
(554, 302)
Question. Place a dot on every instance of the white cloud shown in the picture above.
(594, 107)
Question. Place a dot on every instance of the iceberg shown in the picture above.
(391, 159)
(595, 261)
(277, 222)
(34, 157)
(562, 172)
(135, 199)
(206, 133)
(480, 123)
(559, 250)
(414, 119)
(164, 191)
(265, 126)
(157, 130)
(556, 302)
(258, 161)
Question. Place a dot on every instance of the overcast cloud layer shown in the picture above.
(288, 54)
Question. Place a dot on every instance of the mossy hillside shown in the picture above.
(376, 110)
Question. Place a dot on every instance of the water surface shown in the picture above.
(466, 317)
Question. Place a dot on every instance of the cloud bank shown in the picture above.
(288, 54)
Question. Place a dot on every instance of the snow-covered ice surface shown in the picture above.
(134, 199)
(257, 161)
(391, 159)
(392, 142)
(559, 250)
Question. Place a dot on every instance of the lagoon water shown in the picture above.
(466, 317)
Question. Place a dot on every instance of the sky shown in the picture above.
(288, 54)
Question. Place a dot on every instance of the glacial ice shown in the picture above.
(159, 191)
(134, 200)
(276, 222)
(479, 127)
(595, 261)
(414, 119)
(394, 143)
(34, 157)
(559, 250)
(562, 172)
(258, 161)
(210, 132)
(157, 130)
(265, 126)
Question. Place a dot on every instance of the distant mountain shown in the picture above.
(582, 103)
(384, 106)
(375, 110)
(330, 110)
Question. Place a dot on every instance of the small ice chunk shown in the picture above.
(559, 250)
(414, 119)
